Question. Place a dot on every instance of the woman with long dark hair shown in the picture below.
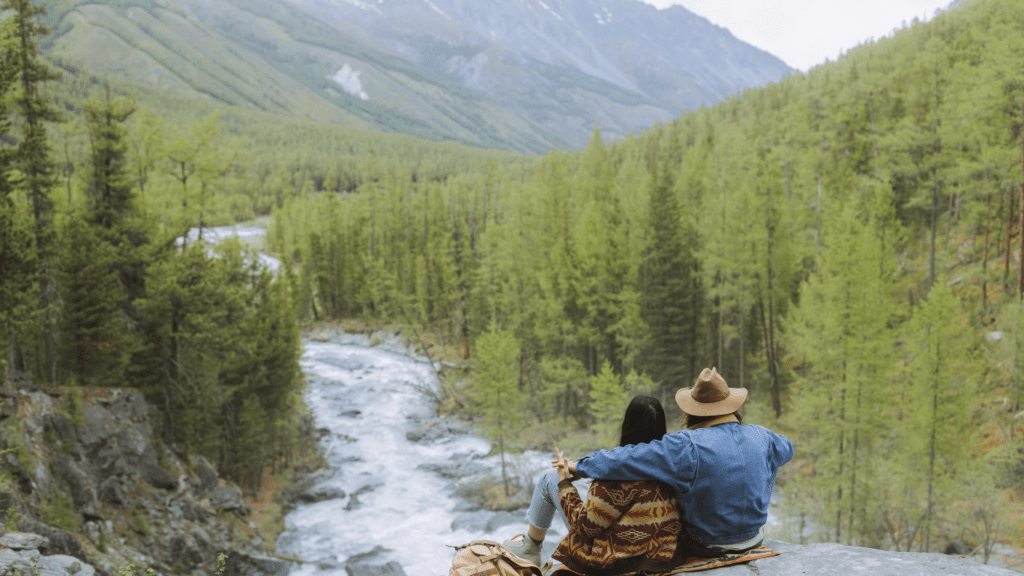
(621, 525)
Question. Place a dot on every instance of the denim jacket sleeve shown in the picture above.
(671, 460)
(783, 448)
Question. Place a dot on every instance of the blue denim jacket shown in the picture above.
(723, 476)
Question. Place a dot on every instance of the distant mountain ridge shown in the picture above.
(677, 59)
(512, 74)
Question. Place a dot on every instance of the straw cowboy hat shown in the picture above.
(711, 396)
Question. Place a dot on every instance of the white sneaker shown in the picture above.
(524, 548)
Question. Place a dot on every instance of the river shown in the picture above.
(369, 398)
(399, 493)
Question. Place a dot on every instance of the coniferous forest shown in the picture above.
(847, 244)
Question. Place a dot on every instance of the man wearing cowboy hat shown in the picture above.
(723, 473)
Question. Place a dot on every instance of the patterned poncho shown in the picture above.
(620, 523)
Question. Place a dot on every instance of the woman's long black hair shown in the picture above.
(644, 421)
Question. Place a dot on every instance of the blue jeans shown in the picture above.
(544, 504)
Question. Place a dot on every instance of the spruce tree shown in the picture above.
(18, 259)
(92, 339)
(33, 157)
(672, 288)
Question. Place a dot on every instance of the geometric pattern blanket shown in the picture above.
(694, 564)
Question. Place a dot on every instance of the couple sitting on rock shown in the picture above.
(659, 498)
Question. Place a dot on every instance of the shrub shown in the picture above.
(60, 513)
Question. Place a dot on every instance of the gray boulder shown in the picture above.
(9, 463)
(58, 541)
(503, 518)
(116, 442)
(454, 470)
(320, 494)
(328, 563)
(241, 564)
(436, 429)
(206, 475)
(60, 565)
(186, 550)
(23, 541)
(82, 492)
(14, 564)
(229, 499)
(472, 522)
(369, 564)
(111, 491)
(838, 560)
(390, 569)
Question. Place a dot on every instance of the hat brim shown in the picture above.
(727, 405)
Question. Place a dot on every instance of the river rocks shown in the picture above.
(369, 564)
(390, 569)
(242, 564)
(434, 429)
(321, 493)
(484, 521)
(460, 466)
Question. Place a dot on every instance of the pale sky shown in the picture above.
(806, 32)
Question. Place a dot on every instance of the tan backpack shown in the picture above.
(487, 558)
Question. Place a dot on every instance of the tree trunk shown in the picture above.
(931, 254)
(931, 449)
(1020, 221)
(1009, 236)
(16, 358)
(984, 278)
(817, 236)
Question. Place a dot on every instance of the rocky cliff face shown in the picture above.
(85, 489)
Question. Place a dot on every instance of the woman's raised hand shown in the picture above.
(562, 465)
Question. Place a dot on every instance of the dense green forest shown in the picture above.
(98, 184)
(846, 244)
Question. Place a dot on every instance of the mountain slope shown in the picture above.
(513, 75)
(675, 58)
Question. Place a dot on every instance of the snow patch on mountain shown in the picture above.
(349, 81)
(548, 8)
(436, 9)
